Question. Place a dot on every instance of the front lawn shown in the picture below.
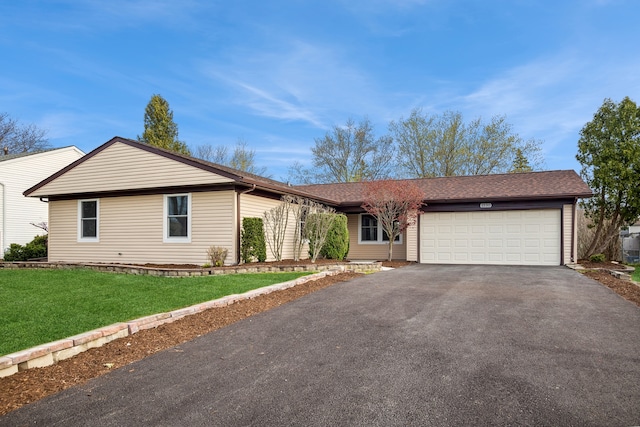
(40, 306)
(636, 274)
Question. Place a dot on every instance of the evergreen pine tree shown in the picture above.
(520, 163)
(159, 128)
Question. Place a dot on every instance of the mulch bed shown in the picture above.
(605, 265)
(626, 290)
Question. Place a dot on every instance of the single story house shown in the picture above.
(18, 172)
(130, 202)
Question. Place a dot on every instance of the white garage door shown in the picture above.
(530, 237)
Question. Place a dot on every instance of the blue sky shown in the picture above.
(278, 74)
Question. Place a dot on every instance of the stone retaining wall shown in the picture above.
(359, 267)
(50, 353)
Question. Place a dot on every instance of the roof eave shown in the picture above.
(351, 203)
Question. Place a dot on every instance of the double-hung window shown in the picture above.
(177, 218)
(370, 231)
(88, 220)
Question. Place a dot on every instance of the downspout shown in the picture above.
(238, 220)
(574, 227)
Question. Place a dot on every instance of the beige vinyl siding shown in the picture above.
(16, 176)
(255, 206)
(371, 251)
(412, 242)
(133, 227)
(568, 233)
(122, 167)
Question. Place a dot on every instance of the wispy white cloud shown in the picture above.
(551, 99)
(270, 105)
(300, 81)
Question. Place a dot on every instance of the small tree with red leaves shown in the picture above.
(394, 204)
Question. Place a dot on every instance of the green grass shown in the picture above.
(636, 274)
(40, 306)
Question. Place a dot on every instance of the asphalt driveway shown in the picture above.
(421, 345)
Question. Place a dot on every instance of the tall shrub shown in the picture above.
(252, 245)
(336, 245)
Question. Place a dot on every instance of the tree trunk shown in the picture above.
(612, 232)
(598, 232)
(390, 248)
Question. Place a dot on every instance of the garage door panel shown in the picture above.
(461, 257)
(514, 228)
(462, 243)
(513, 258)
(476, 258)
(444, 243)
(493, 243)
(475, 243)
(491, 237)
(495, 257)
(514, 243)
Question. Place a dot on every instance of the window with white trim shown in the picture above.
(88, 220)
(177, 218)
(370, 231)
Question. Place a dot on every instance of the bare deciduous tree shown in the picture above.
(275, 223)
(218, 154)
(348, 153)
(18, 138)
(243, 158)
(317, 226)
(299, 207)
(444, 145)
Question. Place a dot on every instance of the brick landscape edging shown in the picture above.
(51, 353)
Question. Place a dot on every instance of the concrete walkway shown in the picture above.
(421, 345)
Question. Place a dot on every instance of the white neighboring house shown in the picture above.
(18, 172)
(635, 228)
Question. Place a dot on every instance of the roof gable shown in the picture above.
(121, 165)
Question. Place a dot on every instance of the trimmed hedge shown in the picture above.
(252, 245)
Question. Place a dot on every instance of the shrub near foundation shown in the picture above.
(253, 246)
(217, 255)
(37, 248)
(336, 245)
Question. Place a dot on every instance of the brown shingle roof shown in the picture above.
(531, 185)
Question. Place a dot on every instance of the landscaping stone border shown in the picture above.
(622, 273)
(355, 266)
(53, 352)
